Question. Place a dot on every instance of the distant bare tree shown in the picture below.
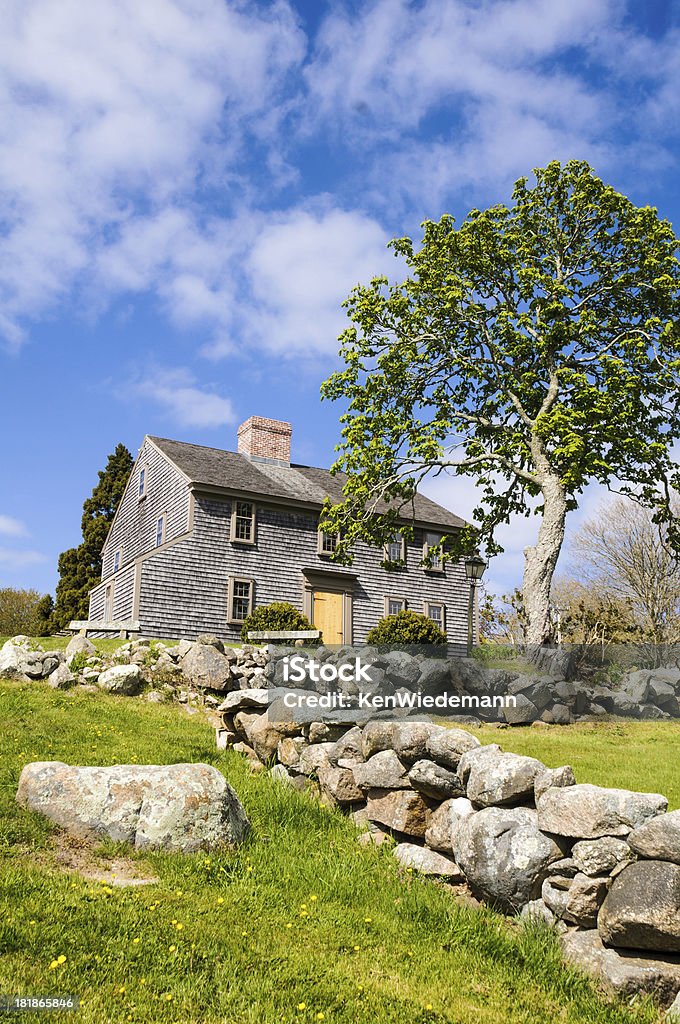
(626, 555)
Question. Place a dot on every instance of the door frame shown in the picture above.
(330, 583)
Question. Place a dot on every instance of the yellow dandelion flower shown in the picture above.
(61, 959)
(179, 892)
(289, 925)
(320, 1016)
(303, 906)
(142, 981)
(31, 922)
(249, 868)
(368, 920)
(313, 899)
(244, 933)
(220, 899)
(168, 997)
(171, 949)
(136, 941)
(428, 1006)
(174, 921)
(54, 964)
(357, 948)
(179, 926)
(302, 1006)
(121, 990)
(304, 913)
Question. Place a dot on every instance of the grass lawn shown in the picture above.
(105, 645)
(301, 924)
(643, 756)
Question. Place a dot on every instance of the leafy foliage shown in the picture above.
(25, 612)
(276, 616)
(80, 568)
(535, 348)
(406, 627)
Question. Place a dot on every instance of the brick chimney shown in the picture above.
(263, 440)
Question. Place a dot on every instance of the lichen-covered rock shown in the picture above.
(589, 812)
(445, 821)
(562, 776)
(248, 698)
(177, 807)
(584, 898)
(125, 680)
(658, 839)
(339, 785)
(62, 678)
(600, 856)
(207, 667)
(447, 746)
(348, 747)
(376, 736)
(409, 740)
(502, 779)
(79, 645)
(383, 770)
(622, 974)
(427, 862)
(402, 810)
(504, 855)
(642, 908)
(264, 735)
(434, 781)
(314, 757)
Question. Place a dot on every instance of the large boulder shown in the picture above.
(382, 771)
(376, 735)
(427, 862)
(619, 972)
(401, 810)
(207, 667)
(447, 746)
(62, 678)
(504, 855)
(642, 908)
(588, 812)
(502, 779)
(14, 662)
(338, 784)
(125, 680)
(445, 821)
(79, 645)
(409, 740)
(659, 838)
(176, 807)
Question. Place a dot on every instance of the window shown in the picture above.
(436, 612)
(141, 489)
(160, 531)
(395, 549)
(117, 559)
(327, 543)
(240, 598)
(433, 540)
(108, 603)
(394, 605)
(243, 522)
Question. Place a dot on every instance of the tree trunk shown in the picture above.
(540, 561)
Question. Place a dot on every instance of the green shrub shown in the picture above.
(406, 628)
(275, 616)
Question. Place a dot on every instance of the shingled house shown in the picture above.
(203, 536)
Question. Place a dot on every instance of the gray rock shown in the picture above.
(264, 735)
(78, 645)
(401, 669)
(289, 750)
(376, 736)
(555, 895)
(435, 677)
(281, 774)
(382, 771)
(409, 740)
(401, 810)
(177, 807)
(642, 909)
(561, 715)
(658, 839)
(338, 784)
(125, 680)
(620, 973)
(589, 812)
(210, 640)
(206, 667)
(434, 781)
(446, 746)
(13, 664)
(600, 856)
(314, 757)
(427, 862)
(673, 1013)
(504, 855)
(559, 777)
(536, 910)
(445, 821)
(237, 700)
(503, 779)
(469, 758)
(348, 747)
(523, 712)
(62, 678)
(584, 899)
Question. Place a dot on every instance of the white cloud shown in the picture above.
(12, 559)
(112, 109)
(11, 527)
(180, 397)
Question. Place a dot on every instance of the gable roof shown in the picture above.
(213, 468)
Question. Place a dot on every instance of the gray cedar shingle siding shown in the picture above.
(182, 587)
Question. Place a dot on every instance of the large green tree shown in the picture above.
(25, 612)
(535, 348)
(80, 568)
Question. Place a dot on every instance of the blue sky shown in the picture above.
(190, 188)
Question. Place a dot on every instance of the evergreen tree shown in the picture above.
(80, 568)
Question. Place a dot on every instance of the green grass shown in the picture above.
(301, 914)
(625, 754)
(104, 645)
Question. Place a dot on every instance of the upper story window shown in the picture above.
(160, 531)
(327, 543)
(141, 482)
(394, 605)
(433, 540)
(240, 600)
(117, 559)
(395, 549)
(243, 522)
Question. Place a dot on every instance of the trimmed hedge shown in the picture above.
(278, 615)
(406, 628)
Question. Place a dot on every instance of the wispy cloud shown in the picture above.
(10, 527)
(11, 558)
(180, 398)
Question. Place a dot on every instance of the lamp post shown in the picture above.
(474, 570)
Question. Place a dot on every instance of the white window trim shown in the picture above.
(438, 604)
(253, 522)
(230, 598)
(393, 597)
(164, 517)
(426, 551)
(118, 552)
(402, 553)
(145, 470)
(320, 534)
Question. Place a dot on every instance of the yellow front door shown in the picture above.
(327, 616)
